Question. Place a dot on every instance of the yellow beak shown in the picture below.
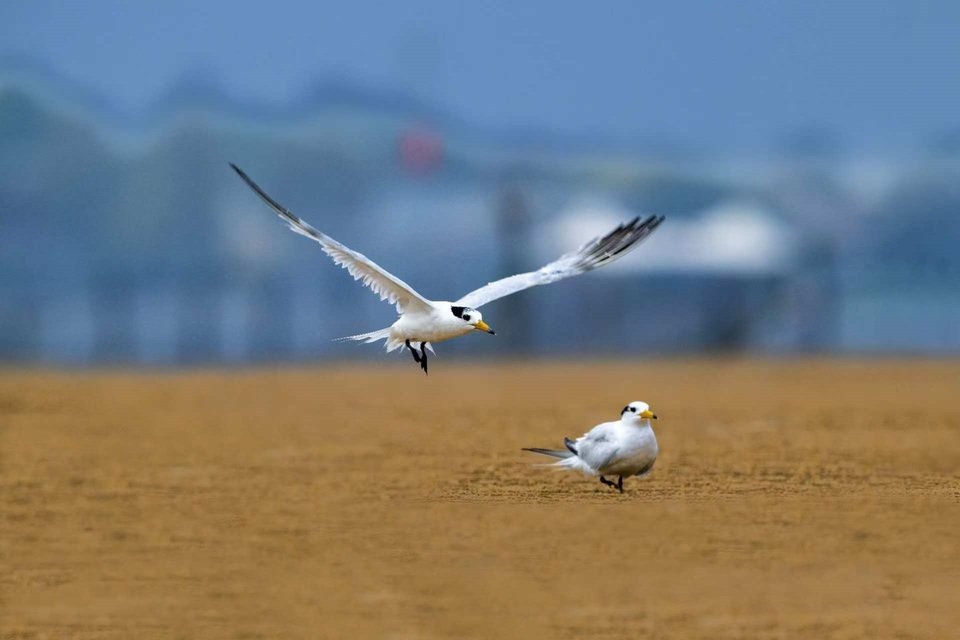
(483, 326)
(648, 414)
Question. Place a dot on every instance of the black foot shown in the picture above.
(414, 353)
(613, 485)
(420, 357)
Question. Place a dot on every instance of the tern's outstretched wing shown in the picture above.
(594, 254)
(384, 284)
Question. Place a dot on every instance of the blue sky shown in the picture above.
(883, 74)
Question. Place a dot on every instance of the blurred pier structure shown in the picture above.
(513, 231)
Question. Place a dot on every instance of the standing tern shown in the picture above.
(423, 321)
(623, 448)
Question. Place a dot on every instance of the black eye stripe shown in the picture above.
(458, 311)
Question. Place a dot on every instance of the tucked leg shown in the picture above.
(620, 484)
(423, 357)
(414, 353)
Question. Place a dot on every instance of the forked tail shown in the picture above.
(567, 458)
(373, 336)
(393, 342)
(563, 454)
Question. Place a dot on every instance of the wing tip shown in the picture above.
(240, 172)
(620, 241)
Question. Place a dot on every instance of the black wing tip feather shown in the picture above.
(276, 206)
(243, 176)
(619, 241)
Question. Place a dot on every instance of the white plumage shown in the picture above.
(625, 448)
(424, 321)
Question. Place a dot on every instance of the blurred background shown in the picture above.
(806, 155)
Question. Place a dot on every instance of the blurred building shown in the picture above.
(131, 241)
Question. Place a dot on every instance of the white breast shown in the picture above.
(637, 452)
(437, 325)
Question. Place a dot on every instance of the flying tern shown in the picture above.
(423, 321)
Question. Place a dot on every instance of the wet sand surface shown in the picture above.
(814, 499)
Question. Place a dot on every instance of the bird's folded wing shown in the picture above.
(594, 254)
(383, 283)
(599, 447)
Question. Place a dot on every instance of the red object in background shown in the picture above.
(420, 150)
